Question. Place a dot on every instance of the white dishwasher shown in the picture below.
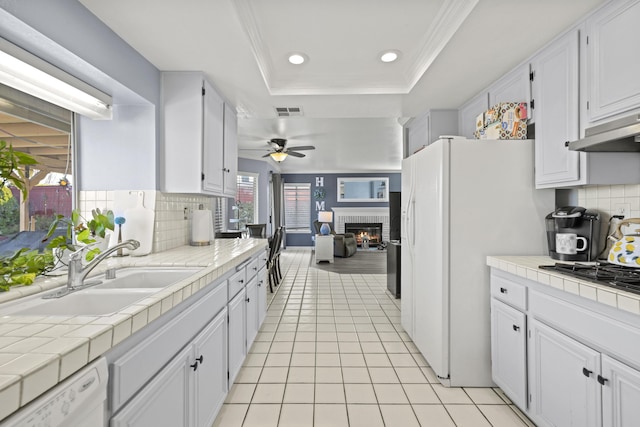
(78, 401)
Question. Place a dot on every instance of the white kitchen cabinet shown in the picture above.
(613, 65)
(428, 127)
(555, 93)
(508, 351)
(620, 393)
(199, 137)
(468, 113)
(262, 294)
(512, 87)
(252, 311)
(230, 167)
(563, 390)
(237, 333)
(189, 391)
(210, 374)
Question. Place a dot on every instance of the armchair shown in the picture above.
(344, 245)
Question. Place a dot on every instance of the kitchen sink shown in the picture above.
(146, 278)
(89, 302)
(130, 285)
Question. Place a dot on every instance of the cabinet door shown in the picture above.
(555, 93)
(213, 141)
(165, 401)
(237, 333)
(469, 112)
(252, 311)
(262, 295)
(512, 87)
(417, 132)
(562, 378)
(620, 394)
(210, 354)
(612, 60)
(230, 151)
(508, 351)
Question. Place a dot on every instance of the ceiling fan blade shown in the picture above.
(302, 147)
(295, 154)
(267, 155)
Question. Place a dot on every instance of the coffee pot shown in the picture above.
(573, 234)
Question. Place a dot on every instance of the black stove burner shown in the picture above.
(612, 275)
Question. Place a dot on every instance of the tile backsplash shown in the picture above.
(608, 199)
(172, 225)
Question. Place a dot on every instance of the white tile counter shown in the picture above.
(527, 267)
(38, 352)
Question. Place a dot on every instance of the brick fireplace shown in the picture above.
(361, 216)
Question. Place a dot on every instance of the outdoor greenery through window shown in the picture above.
(297, 207)
(246, 199)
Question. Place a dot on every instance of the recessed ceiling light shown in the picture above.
(297, 58)
(389, 56)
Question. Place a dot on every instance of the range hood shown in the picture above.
(622, 135)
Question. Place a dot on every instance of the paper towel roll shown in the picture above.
(201, 227)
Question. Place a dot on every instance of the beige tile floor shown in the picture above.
(332, 352)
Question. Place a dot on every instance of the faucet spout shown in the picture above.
(77, 273)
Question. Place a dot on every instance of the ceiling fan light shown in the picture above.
(278, 156)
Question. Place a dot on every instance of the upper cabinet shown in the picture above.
(613, 63)
(554, 86)
(428, 127)
(512, 87)
(469, 112)
(199, 144)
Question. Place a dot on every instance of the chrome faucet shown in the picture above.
(77, 273)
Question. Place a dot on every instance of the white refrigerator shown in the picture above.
(461, 201)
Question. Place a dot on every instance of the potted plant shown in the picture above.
(80, 232)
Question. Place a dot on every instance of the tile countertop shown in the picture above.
(527, 267)
(38, 352)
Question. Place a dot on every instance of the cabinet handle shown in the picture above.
(516, 328)
(566, 144)
(248, 300)
(200, 359)
(241, 281)
(255, 268)
(503, 290)
(586, 372)
(194, 366)
(602, 380)
(260, 283)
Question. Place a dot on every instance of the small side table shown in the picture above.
(324, 248)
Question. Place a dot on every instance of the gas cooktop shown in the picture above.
(602, 273)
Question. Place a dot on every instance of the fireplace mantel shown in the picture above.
(362, 215)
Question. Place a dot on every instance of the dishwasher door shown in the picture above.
(78, 401)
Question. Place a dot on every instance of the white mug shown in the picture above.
(567, 243)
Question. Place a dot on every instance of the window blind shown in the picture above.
(219, 214)
(297, 207)
(247, 197)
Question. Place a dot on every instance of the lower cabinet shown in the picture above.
(252, 311)
(561, 372)
(508, 351)
(189, 391)
(237, 333)
(563, 386)
(620, 394)
(262, 295)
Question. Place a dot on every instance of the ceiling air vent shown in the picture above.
(289, 111)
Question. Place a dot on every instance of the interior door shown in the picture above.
(431, 295)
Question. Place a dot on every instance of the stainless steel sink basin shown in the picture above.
(89, 302)
(147, 277)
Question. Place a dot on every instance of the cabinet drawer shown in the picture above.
(252, 268)
(510, 292)
(237, 282)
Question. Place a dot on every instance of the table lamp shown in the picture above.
(325, 217)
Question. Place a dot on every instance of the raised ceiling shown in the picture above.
(450, 50)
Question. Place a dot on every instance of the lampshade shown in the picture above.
(278, 156)
(325, 216)
(23, 71)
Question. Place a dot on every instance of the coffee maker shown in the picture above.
(573, 222)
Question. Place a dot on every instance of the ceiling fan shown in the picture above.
(281, 151)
